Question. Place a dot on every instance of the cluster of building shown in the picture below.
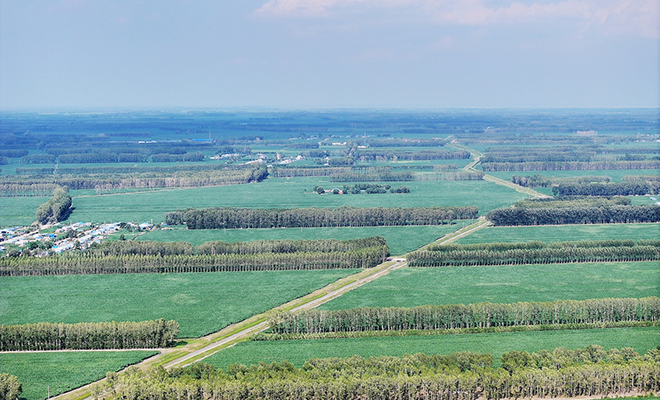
(79, 235)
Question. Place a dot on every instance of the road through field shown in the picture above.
(477, 155)
(203, 347)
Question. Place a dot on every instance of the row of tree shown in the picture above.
(38, 159)
(13, 153)
(547, 255)
(570, 165)
(88, 335)
(480, 315)
(390, 176)
(573, 201)
(152, 248)
(110, 182)
(117, 170)
(400, 142)
(56, 209)
(27, 190)
(537, 244)
(515, 216)
(630, 188)
(417, 376)
(367, 155)
(232, 218)
(70, 265)
(291, 246)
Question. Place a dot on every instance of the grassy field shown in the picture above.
(287, 193)
(201, 302)
(63, 371)
(557, 233)
(616, 175)
(298, 351)
(401, 239)
(408, 287)
(19, 210)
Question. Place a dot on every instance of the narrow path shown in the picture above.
(477, 156)
(198, 349)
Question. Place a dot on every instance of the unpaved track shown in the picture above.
(262, 326)
(188, 357)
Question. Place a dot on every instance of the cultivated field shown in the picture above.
(560, 233)
(287, 193)
(400, 239)
(616, 175)
(408, 287)
(19, 210)
(60, 372)
(201, 302)
(299, 351)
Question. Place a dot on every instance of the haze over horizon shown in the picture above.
(84, 54)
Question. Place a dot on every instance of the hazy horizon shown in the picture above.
(329, 54)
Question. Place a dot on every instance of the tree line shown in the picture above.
(367, 155)
(27, 190)
(117, 170)
(31, 266)
(517, 216)
(165, 179)
(88, 335)
(591, 371)
(480, 315)
(290, 246)
(570, 165)
(237, 218)
(13, 153)
(562, 252)
(573, 201)
(630, 188)
(162, 249)
(56, 209)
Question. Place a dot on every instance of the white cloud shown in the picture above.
(615, 16)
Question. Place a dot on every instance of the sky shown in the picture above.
(215, 54)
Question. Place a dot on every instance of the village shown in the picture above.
(56, 239)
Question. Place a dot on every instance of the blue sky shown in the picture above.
(91, 54)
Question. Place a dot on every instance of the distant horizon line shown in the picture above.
(183, 109)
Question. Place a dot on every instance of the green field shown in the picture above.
(19, 210)
(401, 239)
(286, 193)
(616, 175)
(298, 351)
(559, 233)
(201, 302)
(63, 371)
(409, 287)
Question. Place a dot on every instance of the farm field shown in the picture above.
(201, 302)
(287, 193)
(60, 372)
(401, 240)
(616, 175)
(299, 351)
(409, 287)
(19, 210)
(559, 233)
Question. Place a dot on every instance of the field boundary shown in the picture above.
(477, 156)
(198, 349)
